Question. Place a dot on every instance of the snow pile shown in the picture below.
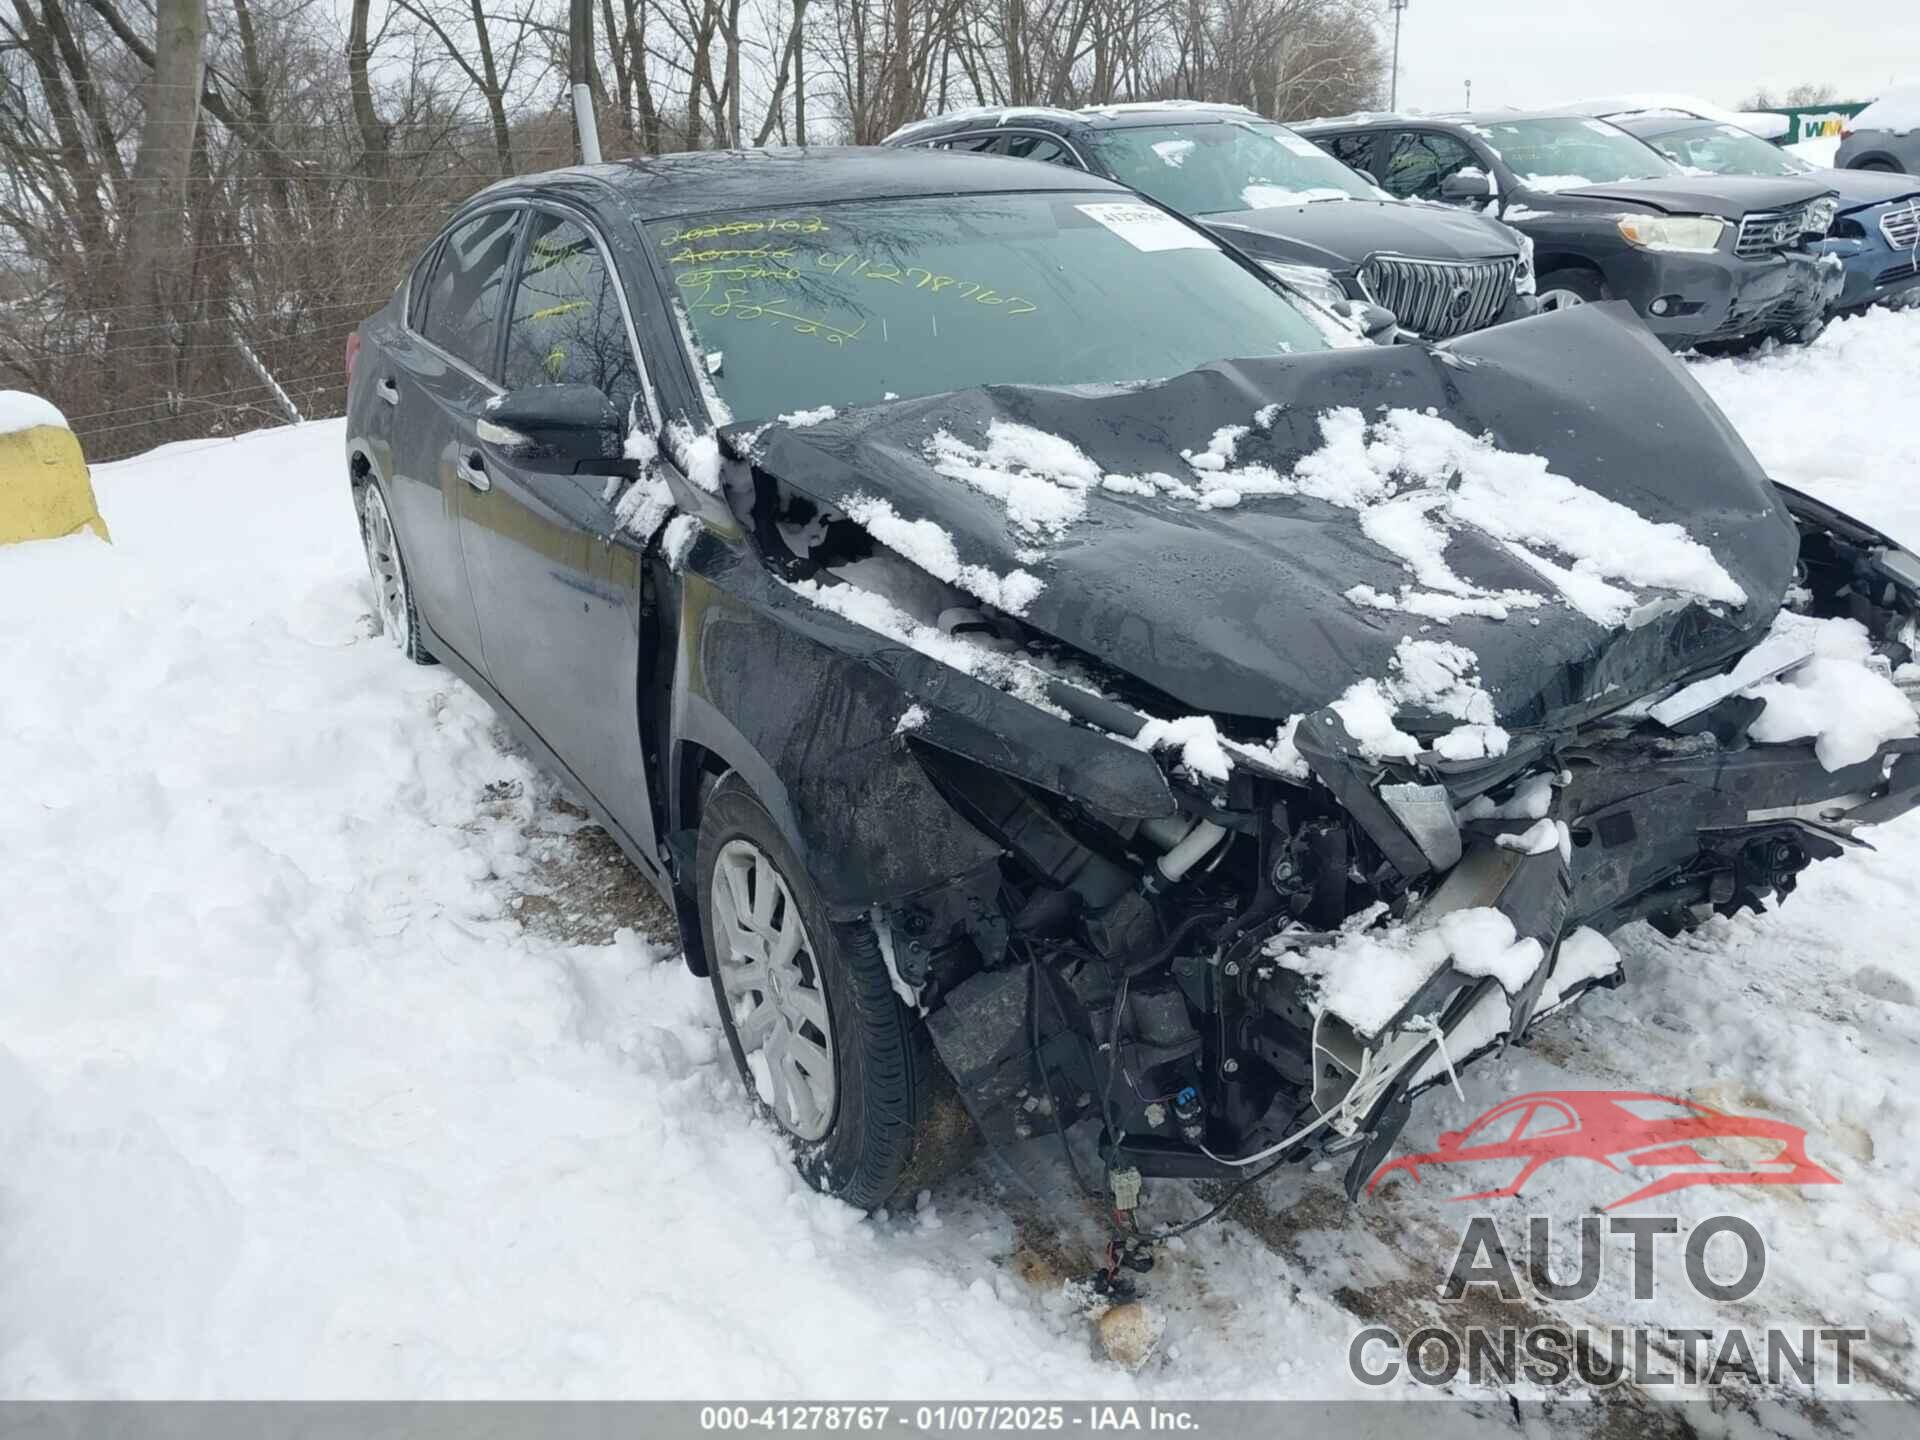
(1897, 110)
(677, 540)
(1365, 977)
(21, 411)
(293, 1105)
(697, 454)
(644, 507)
(801, 419)
(883, 617)
(1041, 479)
(1434, 676)
(1843, 699)
(1817, 416)
(933, 550)
(1197, 739)
(1819, 151)
(1415, 478)
(1173, 152)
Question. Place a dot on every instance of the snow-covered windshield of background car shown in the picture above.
(851, 303)
(1726, 150)
(1211, 167)
(1562, 153)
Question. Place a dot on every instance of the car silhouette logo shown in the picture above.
(1626, 1131)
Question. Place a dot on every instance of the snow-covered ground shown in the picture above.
(299, 1097)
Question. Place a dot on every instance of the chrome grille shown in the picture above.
(1761, 235)
(1439, 299)
(1902, 226)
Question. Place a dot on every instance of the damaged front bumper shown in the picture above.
(1180, 979)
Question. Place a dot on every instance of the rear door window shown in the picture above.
(469, 278)
(567, 327)
(1353, 151)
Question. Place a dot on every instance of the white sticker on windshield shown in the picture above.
(1144, 227)
(1298, 144)
(1599, 127)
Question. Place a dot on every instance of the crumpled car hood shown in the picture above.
(1244, 612)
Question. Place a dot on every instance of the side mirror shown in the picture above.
(566, 423)
(1471, 183)
(1376, 322)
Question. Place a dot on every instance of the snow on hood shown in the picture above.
(1567, 460)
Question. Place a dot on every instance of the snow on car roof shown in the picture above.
(1762, 123)
(1896, 109)
(980, 114)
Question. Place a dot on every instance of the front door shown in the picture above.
(559, 612)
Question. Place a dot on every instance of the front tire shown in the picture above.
(394, 614)
(822, 1042)
(1565, 288)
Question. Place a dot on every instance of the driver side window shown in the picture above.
(566, 326)
(1418, 161)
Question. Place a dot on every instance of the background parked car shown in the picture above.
(1875, 235)
(1309, 219)
(1885, 135)
(1705, 260)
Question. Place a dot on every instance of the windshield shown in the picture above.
(852, 303)
(1210, 168)
(1559, 154)
(1726, 150)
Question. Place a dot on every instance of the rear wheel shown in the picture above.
(824, 1045)
(1564, 289)
(1881, 165)
(393, 609)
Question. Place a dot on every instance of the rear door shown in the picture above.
(559, 603)
(437, 378)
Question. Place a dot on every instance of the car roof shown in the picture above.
(1121, 115)
(1448, 119)
(658, 187)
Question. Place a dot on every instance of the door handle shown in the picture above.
(474, 471)
(388, 391)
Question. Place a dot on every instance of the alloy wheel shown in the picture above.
(771, 979)
(383, 563)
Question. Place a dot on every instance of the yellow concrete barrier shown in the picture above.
(45, 491)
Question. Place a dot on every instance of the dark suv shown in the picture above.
(1263, 189)
(1707, 260)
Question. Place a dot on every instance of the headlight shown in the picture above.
(1687, 234)
(1310, 280)
(1523, 279)
(1820, 216)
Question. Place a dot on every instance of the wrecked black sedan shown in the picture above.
(1051, 675)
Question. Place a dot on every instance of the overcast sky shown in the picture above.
(1537, 52)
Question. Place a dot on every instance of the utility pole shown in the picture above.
(579, 69)
(1469, 95)
(1393, 93)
